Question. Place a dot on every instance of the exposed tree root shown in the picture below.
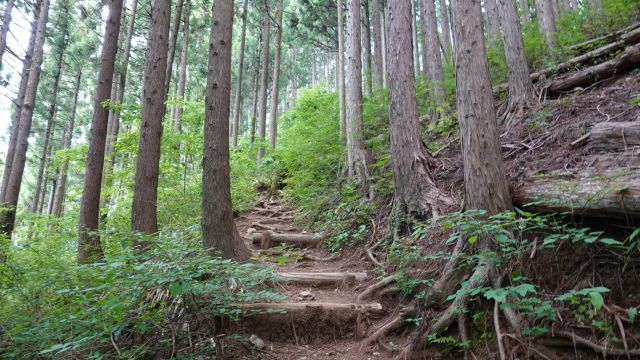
(373, 289)
(605, 350)
(397, 322)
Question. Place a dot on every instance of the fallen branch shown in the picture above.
(616, 135)
(371, 290)
(337, 278)
(605, 38)
(605, 350)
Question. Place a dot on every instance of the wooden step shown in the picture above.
(324, 278)
(267, 239)
(308, 322)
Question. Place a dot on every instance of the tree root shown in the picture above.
(391, 325)
(602, 349)
(371, 290)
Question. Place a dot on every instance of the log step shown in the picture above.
(335, 278)
(308, 322)
(266, 239)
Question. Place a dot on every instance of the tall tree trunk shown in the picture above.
(173, 39)
(366, 49)
(431, 46)
(61, 183)
(484, 176)
(144, 211)
(356, 156)
(385, 41)
(51, 116)
(415, 39)
(526, 12)
(275, 81)
(415, 191)
(264, 80)
(182, 79)
(521, 91)
(219, 232)
(43, 192)
(378, 65)
(88, 240)
(340, 70)
(238, 111)
(546, 21)
(6, 20)
(493, 21)
(8, 214)
(15, 124)
(445, 26)
(52, 194)
(256, 88)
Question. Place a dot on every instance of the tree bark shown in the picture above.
(378, 66)
(609, 193)
(88, 240)
(61, 183)
(341, 69)
(238, 109)
(521, 92)
(144, 211)
(356, 157)
(415, 191)
(366, 47)
(618, 136)
(275, 81)
(484, 177)
(6, 20)
(182, 77)
(219, 232)
(264, 80)
(15, 124)
(173, 39)
(546, 21)
(445, 26)
(431, 46)
(8, 214)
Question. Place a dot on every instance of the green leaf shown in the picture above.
(611, 242)
(473, 239)
(501, 238)
(632, 314)
(596, 300)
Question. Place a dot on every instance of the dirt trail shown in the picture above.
(311, 333)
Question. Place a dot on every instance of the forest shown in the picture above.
(320, 179)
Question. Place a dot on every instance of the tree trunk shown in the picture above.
(415, 39)
(238, 109)
(340, 71)
(415, 191)
(378, 66)
(521, 92)
(182, 77)
(254, 102)
(144, 211)
(493, 21)
(366, 47)
(526, 12)
(357, 162)
(173, 39)
(275, 81)
(264, 80)
(219, 233)
(8, 214)
(6, 20)
(88, 240)
(484, 177)
(431, 46)
(546, 21)
(114, 120)
(51, 116)
(618, 136)
(15, 124)
(445, 26)
(61, 183)
(626, 61)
